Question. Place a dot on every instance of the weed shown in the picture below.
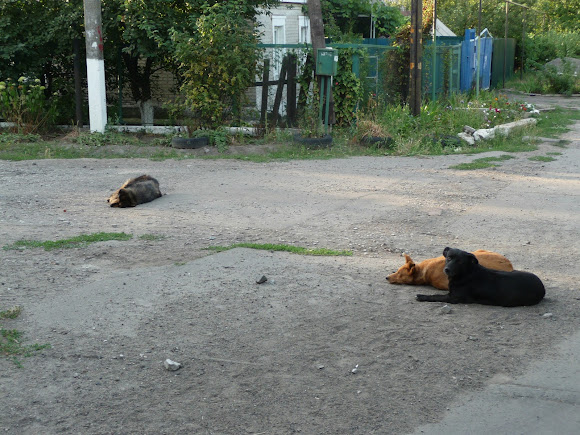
(284, 248)
(11, 340)
(73, 242)
(11, 313)
(554, 123)
(482, 163)
(412, 135)
(152, 237)
(542, 158)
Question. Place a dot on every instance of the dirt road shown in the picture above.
(277, 357)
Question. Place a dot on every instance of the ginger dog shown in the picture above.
(430, 271)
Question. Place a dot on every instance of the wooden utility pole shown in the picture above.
(95, 66)
(317, 37)
(316, 26)
(416, 56)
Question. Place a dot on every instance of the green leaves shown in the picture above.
(218, 61)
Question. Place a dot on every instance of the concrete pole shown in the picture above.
(95, 66)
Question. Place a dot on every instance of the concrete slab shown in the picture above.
(545, 400)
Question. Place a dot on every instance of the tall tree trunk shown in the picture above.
(317, 37)
(316, 25)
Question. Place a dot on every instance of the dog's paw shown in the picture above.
(422, 298)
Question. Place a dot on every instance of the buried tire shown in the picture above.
(189, 142)
(314, 142)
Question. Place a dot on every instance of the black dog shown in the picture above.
(135, 191)
(469, 282)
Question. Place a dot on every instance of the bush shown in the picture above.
(542, 48)
(219, 61)
(25, 104)
(347, 88)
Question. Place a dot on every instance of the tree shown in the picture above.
(138, 31)
(40, 46)
(352, 17)
(219, 61)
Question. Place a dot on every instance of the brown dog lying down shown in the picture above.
(430, 271)
(135, 191)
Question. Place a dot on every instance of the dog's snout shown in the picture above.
(446, 270)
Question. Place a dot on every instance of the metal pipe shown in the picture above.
(505, 41)
(478, 58)
(434, 54)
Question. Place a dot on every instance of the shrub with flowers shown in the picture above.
(25, 105)
(500, 111)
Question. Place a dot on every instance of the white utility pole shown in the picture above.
(95, 66)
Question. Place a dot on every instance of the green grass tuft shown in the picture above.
(73, 242)
(12, 341)
(542, 158)
(482, 163)
(283, 248)
(11, 313)
(152, 237)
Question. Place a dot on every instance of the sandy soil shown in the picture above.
(274, 358)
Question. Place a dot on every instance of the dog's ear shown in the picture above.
(473, 259)
(409, 260)
(445, 251)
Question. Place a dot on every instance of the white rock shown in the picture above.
(445, 309)
(466, 137)
(171, 365)
(484, 134)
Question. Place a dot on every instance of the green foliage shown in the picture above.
(543, 47)
(310, 123)
(109, 137)
(283, 248)
(542, 158)
(347, 90)
(558, 15)
(12, 341)
(394, 65)
(11, 313)
(565, 82)
(485, 162)
(24, 103)
(548, 80)
(219, 61)
(343, 17)
(151, 237)
(73, 242)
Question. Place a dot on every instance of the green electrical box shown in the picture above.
(326, 62)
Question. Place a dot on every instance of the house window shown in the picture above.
(303, 30)
(278, 37)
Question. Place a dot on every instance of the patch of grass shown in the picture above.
(542, 158)
(12, 341)
(11, 313)
(484, 162)
(411, 135)
(555, 122)
(554, 153)
(283, 248)
(152, 237)
(73, 242)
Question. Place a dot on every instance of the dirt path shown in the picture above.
(277, 357)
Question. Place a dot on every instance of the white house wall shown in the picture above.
(288, 16)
